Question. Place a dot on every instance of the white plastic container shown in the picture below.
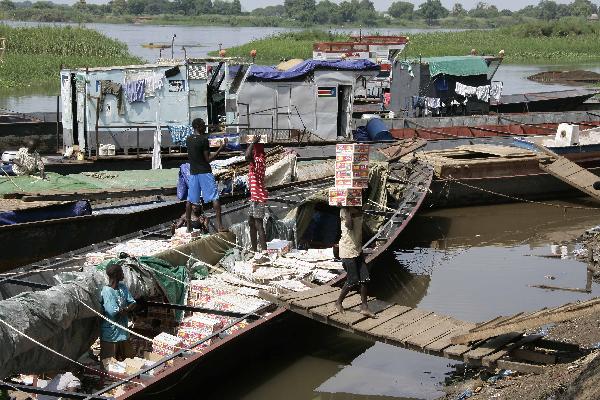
(110, 150)
(8, 156)
(567, 135)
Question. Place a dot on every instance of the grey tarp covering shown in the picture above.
(284, 229)
(56, 318)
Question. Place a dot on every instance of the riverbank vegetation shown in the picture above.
(34, 55)
(293, 13)
(568, 40)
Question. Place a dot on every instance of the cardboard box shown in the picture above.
(351, 193)
(345, 202)
(352, 158)
(277, 246)
(191, 336)
(249, 138)
(202, 323)
(345, 197)
(348, 183)
(352, 148)
(352, 166)
(216, 140)
(165, 344)
(352, 174)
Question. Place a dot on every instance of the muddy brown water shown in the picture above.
(472, 263)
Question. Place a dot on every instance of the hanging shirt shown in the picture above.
(256, 174)
(350, 244)
(135, 91)
(496, 91)
(112, 302)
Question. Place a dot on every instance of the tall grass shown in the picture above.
(272, 49)
(570, 40)
(34, 55)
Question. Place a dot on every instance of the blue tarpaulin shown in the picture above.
(182, 182)
(265, 73)
(55, 211)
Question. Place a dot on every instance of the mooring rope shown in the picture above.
(62, 355)
(516, 198)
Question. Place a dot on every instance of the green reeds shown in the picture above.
(34, 55)
(570, 40)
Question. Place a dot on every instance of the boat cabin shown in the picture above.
(311, 101)
(379, 49)
(123, 106)
(451, 85)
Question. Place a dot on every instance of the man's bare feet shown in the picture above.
(367, 313)
(340, 307)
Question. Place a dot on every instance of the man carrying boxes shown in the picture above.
(351, 176)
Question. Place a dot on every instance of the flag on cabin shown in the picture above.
(326, 92)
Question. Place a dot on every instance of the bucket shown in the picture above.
(377, 130)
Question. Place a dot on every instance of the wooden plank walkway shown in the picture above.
(425, 331)
(569, 172)
(572, 174)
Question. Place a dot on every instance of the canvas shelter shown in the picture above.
(313, 98)
(102, 106)
(436, 77)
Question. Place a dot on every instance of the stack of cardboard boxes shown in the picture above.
(351, 174)
(197, 327)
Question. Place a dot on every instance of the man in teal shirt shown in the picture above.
(116, 303)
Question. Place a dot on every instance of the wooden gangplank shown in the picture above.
(569, 172)
(421, 330)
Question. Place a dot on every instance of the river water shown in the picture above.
(199, 40)
(471, 263)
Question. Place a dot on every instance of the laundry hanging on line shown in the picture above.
(481, 92)
(180, 133)
(496, 90)
(135, 91)
(152, 80)
(114, 88)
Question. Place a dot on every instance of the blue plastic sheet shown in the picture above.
(361, 134)
(182, 182)
(55, 211)
(265, 73)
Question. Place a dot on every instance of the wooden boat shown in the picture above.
(167, 373)
(559, 100)
(156, 45)
(502, 125)
(588, 143)
(482, 174)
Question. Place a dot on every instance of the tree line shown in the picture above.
(311, 12)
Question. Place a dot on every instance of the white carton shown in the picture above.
(567, 135)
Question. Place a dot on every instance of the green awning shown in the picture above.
(456, 65)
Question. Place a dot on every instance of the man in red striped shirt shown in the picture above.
(255, 154)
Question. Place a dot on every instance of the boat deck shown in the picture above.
(425, 331)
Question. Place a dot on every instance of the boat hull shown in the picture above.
(26, 243)
(497, 190)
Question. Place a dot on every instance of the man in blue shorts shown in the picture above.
(202, 182)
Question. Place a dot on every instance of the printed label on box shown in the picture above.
(352, 158)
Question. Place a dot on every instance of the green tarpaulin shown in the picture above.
(104, 180)
(456, 65)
